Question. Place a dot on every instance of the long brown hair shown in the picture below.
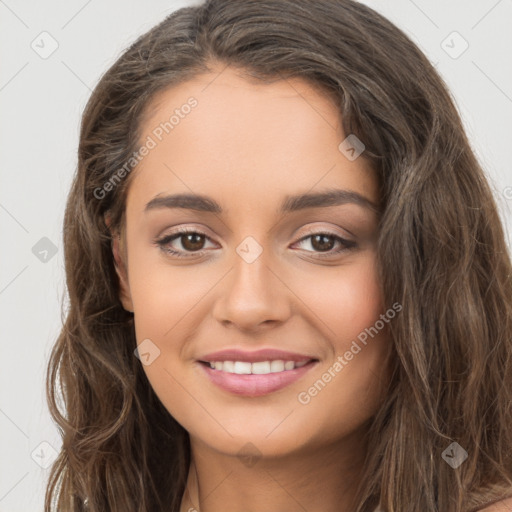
(441, 254)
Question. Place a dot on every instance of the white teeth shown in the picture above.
(261, 367)
(228, 366)
(276, 366)
(242, 367)
(258, 368)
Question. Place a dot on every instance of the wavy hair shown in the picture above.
(442, 255)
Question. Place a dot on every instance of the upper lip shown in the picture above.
(268, 354)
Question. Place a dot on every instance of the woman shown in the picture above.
(289, 285)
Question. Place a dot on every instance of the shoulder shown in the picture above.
(500, 506)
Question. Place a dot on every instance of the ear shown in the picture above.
(119, 254)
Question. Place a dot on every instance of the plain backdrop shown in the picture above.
(52, 55)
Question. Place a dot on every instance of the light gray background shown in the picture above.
(41, 101)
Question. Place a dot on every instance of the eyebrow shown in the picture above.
(330, 197)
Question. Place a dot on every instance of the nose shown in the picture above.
(252, 296)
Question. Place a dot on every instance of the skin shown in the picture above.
(248, 145)
(501, 506)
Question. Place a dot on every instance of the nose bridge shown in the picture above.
(251, 265)
(251, 275)
(252, 294)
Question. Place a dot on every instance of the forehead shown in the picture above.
(244, 142)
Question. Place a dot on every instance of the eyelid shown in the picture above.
(162, 241)
(308, 231)
(328, 231)
(175, 235)
(346, 245)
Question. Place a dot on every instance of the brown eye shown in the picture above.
(325, 242)
(192, 241)
(322, 242)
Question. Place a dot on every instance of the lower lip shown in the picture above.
(255, 385)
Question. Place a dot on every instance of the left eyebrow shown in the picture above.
(330, 197)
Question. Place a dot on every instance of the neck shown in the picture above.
(319, 480)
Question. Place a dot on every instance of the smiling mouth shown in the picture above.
(256, 368)
(257, 378)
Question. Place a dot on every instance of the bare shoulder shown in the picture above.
(500, 506)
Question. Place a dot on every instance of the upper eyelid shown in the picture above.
(200, 231)
(184, 231)
(311, 232)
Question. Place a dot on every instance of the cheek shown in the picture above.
(168, 300)
(165, 296)
(359, 301)
(345, 300)
(345, 392)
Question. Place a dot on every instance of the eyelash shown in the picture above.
(163, 242)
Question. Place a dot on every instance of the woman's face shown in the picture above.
(261, 271)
